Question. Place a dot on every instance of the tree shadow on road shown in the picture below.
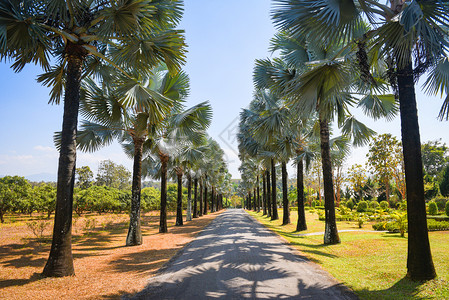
(245, 259)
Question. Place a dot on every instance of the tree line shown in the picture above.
(118, 65)
(333, 56)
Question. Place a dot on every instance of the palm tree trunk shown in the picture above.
(195, 199)
(330, 233)
(179, 200)
(60, 260)
(134, 236)
(286, 209)
(301, 225)
(264, 195)
(254, 199)
(163, 215)
(268, 195)
(258, 194)
(212, 200)
(189, 198)
(274, 212)
(205, 198)
(419, 259)
(200, 213)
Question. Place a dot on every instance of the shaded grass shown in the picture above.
(373, 264)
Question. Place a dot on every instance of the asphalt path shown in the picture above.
(235, 257)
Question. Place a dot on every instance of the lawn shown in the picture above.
(373, 264)
(104, 267)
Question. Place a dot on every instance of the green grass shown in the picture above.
(373, 264)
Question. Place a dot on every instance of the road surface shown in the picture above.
(235, 257)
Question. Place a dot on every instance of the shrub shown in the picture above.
(89, 225)
(373, 204)
(435, 225)
(384, 205)
(361, 218)
(447, 208)
(433, 208)
(403, 205)
(362, 206)
(441, 202)
(350, 204)
(38, 228)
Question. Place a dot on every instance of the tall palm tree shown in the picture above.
(404, 32)
(316, 79)
(183, 161)
(273, 128)
(125, 109)
(170, 137)
(77, 34)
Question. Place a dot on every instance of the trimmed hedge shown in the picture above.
(433, 208)
(391, 226)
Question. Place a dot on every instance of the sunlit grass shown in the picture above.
(373, 264)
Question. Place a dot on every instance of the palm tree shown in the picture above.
(170, 137)
(77, 34)
(273, 128)
(404, 32)
(184, 161)
(315, 79)
(125, 109)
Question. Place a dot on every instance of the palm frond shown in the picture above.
(358, 131)
(379, 106)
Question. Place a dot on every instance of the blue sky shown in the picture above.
(224, 39)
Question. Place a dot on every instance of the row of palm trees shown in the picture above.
(118, 63)
(337, 54)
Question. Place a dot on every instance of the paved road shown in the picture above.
(237, 258)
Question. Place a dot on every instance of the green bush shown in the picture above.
(391, 226)
(339, 217)
(362, 206)
(350, 204)
(441, 202)
(373, 204)
(384, 205)
(150, 199)
(434, 225)
(403, 205)
(447, 208)
(432, 208)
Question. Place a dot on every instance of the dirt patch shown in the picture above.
(104, 267)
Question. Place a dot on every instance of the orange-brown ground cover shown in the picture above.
(104, 267)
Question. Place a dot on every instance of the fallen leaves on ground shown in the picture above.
(104, 267)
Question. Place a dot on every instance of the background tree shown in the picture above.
(444, 185)
(385, 159)
(113, 175)
(45, 195)
(357, 178)
(12, 189)
(434, 157)
(84, 177)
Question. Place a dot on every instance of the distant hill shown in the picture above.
(47, 177)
